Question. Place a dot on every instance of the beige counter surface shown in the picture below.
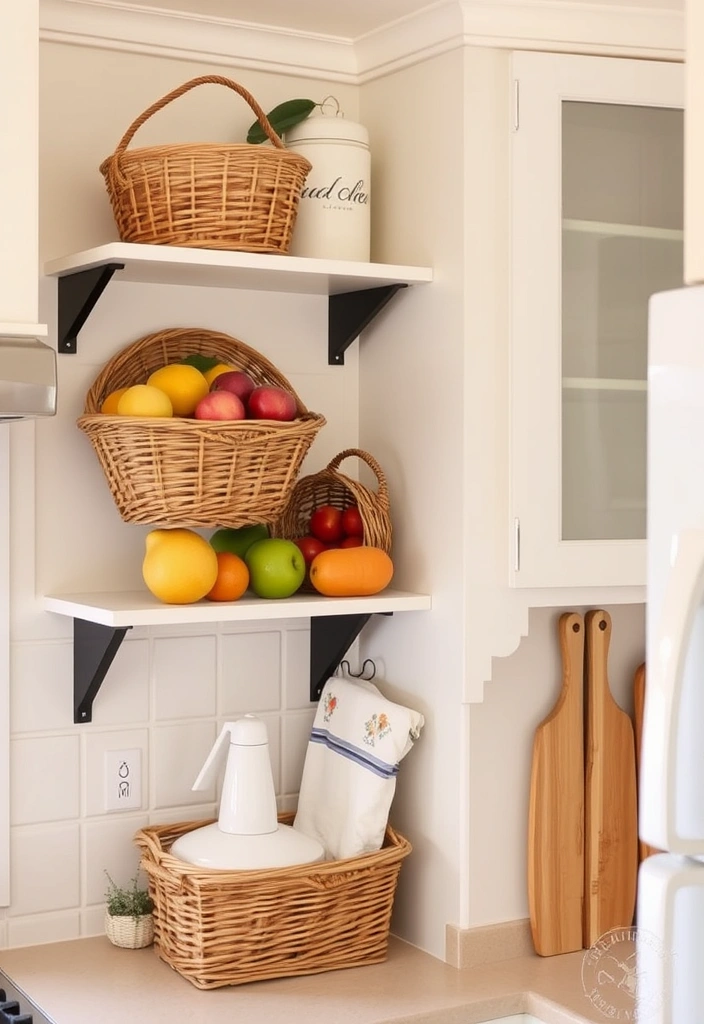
(89, 981)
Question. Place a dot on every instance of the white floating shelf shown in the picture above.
(15, 330)
(607, 229)
(140, 608)
(602, 384)
(154, 264)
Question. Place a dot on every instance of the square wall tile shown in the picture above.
(185, 675)
(40, 928)
(96, 744)
(190, 812)
(179, 754)
(41, 686)
(109, 846)
(35, 889)
(295, 733)
(296, 669)
(250, 673)
(45, 779)
(123, 698)
(3, 934)
(92, 921)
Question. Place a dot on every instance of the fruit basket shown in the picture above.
(190, 472)
(232, 196)
(331, 487)
(219, 928)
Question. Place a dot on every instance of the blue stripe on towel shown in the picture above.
(360, 757)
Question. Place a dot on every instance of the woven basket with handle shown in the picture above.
(190, 472)
(331, 487)
(208, 195)
(230, 927)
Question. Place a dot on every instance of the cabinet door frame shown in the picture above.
(541, 82)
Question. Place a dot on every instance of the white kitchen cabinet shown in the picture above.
(596, 228)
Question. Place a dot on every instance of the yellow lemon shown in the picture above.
(211, 374)
(179, 566)
(184, 385)
(144, 400)
(109, 406)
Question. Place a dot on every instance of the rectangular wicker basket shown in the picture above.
(219, 928)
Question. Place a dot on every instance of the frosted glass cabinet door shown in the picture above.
(597, 214)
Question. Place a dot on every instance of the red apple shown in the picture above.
(352, 525)
(326, 524)
(236, 381)
(310, 547)
(220, 405)
(268, 402)
(351, 542)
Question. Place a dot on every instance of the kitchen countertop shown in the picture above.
(86, 980)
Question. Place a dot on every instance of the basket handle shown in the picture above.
(186, 87)
(382, 488)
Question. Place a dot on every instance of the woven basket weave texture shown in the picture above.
(234, 196)
(130, 932)
(189, 472)
(221, 928)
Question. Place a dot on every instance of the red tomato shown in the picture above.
(310, 547)
(351, 542)
(352, 525)
(326, 524)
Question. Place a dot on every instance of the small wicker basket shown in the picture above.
(130, 932)
(208, 195)
(331, 487)
(189, 472)
(221, 928)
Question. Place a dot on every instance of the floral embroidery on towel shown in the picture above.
(376, 728)
(329, 706)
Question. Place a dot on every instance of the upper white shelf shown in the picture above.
(608, 229)
(603, 384)
(140, 608)
(154, 264)
(17, 330)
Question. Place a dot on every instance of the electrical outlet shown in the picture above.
(123, 779)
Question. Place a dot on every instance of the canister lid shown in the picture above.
(325, 128)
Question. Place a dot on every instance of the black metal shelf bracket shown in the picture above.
(78, 294)
(94, 648)
(331, 636)
(349, 313)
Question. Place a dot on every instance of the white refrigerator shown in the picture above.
(670, 908)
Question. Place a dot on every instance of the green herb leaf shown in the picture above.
(202, 363)
(285, 116)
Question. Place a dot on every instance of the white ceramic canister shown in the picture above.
(333, 213)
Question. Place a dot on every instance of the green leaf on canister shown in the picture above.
(281, 118)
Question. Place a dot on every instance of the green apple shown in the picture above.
(276, 567)
(238, 541)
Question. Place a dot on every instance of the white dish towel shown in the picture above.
(349, 774)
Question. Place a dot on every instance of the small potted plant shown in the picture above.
(129, 921)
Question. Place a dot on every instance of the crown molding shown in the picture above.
(120, 26)
(558, 25)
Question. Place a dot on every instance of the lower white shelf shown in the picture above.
(140, 608)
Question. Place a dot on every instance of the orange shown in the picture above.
(109, 406)
(232, 579)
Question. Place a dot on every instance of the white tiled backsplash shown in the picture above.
(166, 694)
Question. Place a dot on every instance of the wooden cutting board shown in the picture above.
(556, 807)
(638, 704)
(611, 815)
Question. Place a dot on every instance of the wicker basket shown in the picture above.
(208, 195)
(130, 932)
(189, 472)
(331, 487)
(230, 927)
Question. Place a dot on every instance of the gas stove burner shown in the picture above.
(16, 1007)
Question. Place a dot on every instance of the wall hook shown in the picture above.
(345, 666)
